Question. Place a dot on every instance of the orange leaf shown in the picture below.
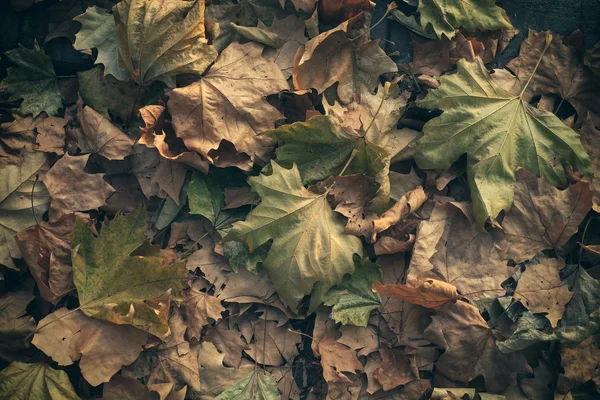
(430, 293)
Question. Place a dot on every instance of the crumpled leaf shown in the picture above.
(542, 216)
(17, 193)
(430, 293)
(35, 381)
(98, 31)
(334, 56)
(228, 107)
(47, 253)
(446, 16)
(477, 110)
(72, 189)
(352, 300)
(113, 284)
(15, 324)
(17, 137)
(101, 347)
(254, 386)
(471, 349)
(309, 242)
(33, 80)
(177, 45)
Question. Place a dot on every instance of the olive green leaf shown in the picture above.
(98, 31)
(309, 244)
(353, 300)
(205, 197)
(160, 39)
(239, 256)
(36, 381)
(499, 132)
(446, 16)
(32, 79)
(21, 189)
(254, 386)
(113, 284)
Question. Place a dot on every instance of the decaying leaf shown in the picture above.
(255, 385)
(198, 307)
(336, 358)
(429, 293)
(102, 137)
(119, 387)
(15, 324)
(35, 381)
(396, 368)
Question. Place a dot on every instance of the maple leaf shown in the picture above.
(198, 307)
(98, 31)
(499, 132)
(309, 243)
(35, 381)
(67, 177)
(336, 56)
(101, 347)
(273, 344)
(33, 80)
(397, 368)
(352, 300)
(113, 284)
(15, 324)
(20, 187)
(446, 16)
(542, 217)
(229, 108)
(471, 349)
(336, 358)
(254, 386)
(176, 44)
(101, 136)
(429, 293)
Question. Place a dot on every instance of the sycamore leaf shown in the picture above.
(471, 349)
(397, 368)
(15, 324)
(33, 80)
(160, 39)
(309, 244)
(430, 293)
(254, 386)
(113, 284)
(353, 300)
(222, 115)
(20, 186)
(499, 132)
(335, 56)
(273, 343)
(101, 347)
(446, 16)
(198, 306)
(98, 31)
(336, 358)
(35, 381)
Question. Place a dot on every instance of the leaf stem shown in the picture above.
(546, 46)
(390, 7)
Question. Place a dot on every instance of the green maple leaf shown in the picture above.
(446, 16)
(254, 386)
(353, 300)
(116, 274)
(499, 132)
(35, 381)
(309, 244)
(33, 80)
(98, 31)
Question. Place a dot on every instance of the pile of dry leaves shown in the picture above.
(237, 204)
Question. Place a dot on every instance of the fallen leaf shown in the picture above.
(429, 293)
(235, 140)
(337, 358)
(470, 349)
(198, 307)
(297, 220)
(33, 80)
(255, 385)
(390, 245)
(15, 324)
(336, 11)
(397, 368)
(542, 216)
(72, 189)
(457, 131)
(272, 344)
(229, 342)
(178, 45)
(102, 137)
(406, 205)
(51, 135)
(17, 137)
(39, 381)
(101, 347)
(590, 138)
(580, 364)
(120, 387)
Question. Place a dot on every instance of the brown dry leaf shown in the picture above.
(542, 216)
(120, 387)
(337, 358)
(272, 344)
(101, 347)
(101, 136)
(406, 205)
(471, 349)
(51, 135)
(459, 248)
(72, 189)
(291, 30)
(594, 249)
(396, 368)
(221, 116)
(429, 293)
(590, 138)
(335, 11)
(560, 71)
(334, 57)
(17, 137)
(47, 253)
(228, 341)
(580, 364)
(167, 391)
(15, 324)
(169, 177)
(158, 133)
(495, 42)
(198, 306)
(238, 197)
(390, 245)
(541, 290)
(360, 339)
